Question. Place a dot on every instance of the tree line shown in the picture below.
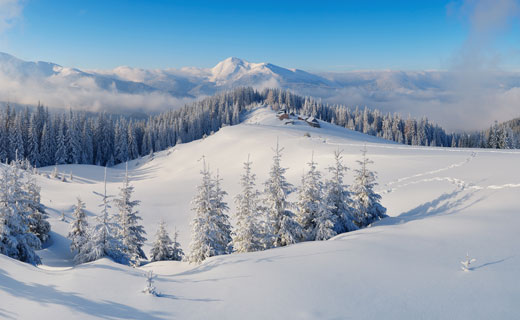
(76, 137)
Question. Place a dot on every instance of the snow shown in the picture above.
(442, 203)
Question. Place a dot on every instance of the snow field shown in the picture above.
(442, 204)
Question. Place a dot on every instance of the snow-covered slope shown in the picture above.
(443, 204)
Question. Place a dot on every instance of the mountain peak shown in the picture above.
(230, 67)
(231, 62)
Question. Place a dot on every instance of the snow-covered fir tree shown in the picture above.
(162, 248)
(366, 202)
(224, 241)
(249, 234)
(61, 156)
(209, 228)
(338, 197)
(16, 239)
(103, 240)
(130, 232)
(78, 233)
(282, 224)
(38, 223)
(177, 252)
(313, 212)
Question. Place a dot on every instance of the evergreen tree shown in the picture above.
(121, 142)
(210, 228)
(87, 155)
(177, 253)
(162, 247)
(78, 233)
(314, 215)
(103, 237)
(16, 143)
(38, 223)
(366, 204)
(248, 235)
(16, 240)
(282, 222)
(338, 196)
(61, 146)
(74, 139)
(34, 155)
(131, 233)
(220, 207)
(47, 147)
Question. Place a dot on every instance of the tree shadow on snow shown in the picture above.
(167, 279)
(447, 203)
(174, 297)
(209, 265)
(49, 294)
(489, 263)
(4, 314)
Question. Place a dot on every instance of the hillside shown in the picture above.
(443, 203)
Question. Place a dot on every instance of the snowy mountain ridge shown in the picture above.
(125, 89)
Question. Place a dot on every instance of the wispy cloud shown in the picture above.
(487, 20)
(477, 86)
(10, 12)
(84, 94)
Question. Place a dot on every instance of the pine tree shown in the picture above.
(78, 233)
(16, 143)
(210, 228)
(224, 240)
(131, 233)
(121, 142)
(177, 253)
(61, 147)
(34, 143)
(87, 154)
(16, 240)
(314, 215)
(366, 204)
(74, 139)
(162, 247)
(47, 147)
(103, 240)
(203, 225)
(38, 223)
(282, 222)
(338, 196)
(248, 235)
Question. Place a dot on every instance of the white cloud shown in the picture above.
(10, 12)
(83, 94)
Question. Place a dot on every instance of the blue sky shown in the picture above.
(318, 35)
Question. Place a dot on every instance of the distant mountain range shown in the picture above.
(443, 96)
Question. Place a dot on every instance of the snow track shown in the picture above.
(452, 166)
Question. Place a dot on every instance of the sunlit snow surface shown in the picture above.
(443, 204)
